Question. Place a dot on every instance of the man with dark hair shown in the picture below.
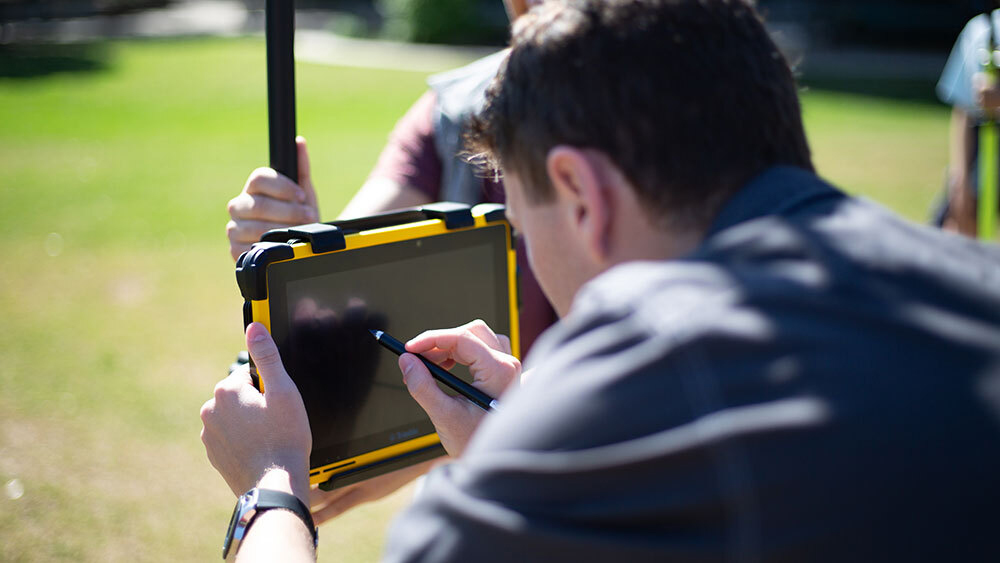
(750, 364)
(684, 145)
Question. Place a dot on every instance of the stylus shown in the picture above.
(481, 399)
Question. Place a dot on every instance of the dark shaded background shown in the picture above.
(899, 23)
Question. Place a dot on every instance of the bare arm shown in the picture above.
(327, 505)
(408, 171)
(278, 535)
(382, 194)
(962, 208)
(960, 155)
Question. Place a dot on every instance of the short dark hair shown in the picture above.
(690, 99)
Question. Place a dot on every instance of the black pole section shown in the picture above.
(280, 34)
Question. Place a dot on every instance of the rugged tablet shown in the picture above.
(319, 288)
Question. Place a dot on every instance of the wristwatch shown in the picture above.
(252, 504)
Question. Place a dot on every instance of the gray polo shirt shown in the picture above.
(818, 381)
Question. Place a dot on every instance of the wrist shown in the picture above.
(292, 481)
(279, 513)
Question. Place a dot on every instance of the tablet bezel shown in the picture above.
(359, 465)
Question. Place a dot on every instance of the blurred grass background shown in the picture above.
(119, 302)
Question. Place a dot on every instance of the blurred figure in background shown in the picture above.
(974, 97)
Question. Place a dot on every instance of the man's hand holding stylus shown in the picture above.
(271, 201)
(488, 356)
(494, 369)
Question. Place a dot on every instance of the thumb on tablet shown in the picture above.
(265, 356)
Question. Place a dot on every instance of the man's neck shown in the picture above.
(637, 236)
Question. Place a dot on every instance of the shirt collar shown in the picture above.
(779, 190)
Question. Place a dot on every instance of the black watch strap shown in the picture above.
(250, 505)
(268, 499)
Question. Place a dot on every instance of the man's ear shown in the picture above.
(577, 178)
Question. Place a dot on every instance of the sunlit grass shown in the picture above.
(119, 302)
(120, 305)
(894, 152)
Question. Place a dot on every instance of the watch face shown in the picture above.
(245, 509)
(226, 543)
(248, 508)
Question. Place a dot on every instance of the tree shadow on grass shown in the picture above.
(40, 60)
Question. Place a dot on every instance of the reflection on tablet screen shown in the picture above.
(322, 309)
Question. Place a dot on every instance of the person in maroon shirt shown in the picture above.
(420, 164)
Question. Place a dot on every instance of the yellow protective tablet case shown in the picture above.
(306, 241)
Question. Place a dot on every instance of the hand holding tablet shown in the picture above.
(320, 289)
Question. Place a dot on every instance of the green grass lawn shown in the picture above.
(119, 298)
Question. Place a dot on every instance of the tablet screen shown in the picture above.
(322, 308)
